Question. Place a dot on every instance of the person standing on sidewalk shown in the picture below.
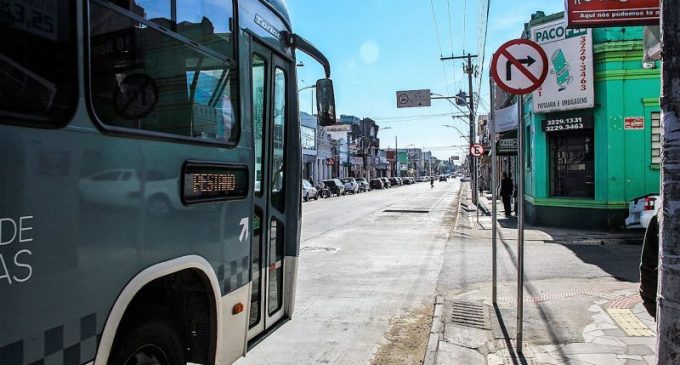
(507, 187)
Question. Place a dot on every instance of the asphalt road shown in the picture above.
(367, 262)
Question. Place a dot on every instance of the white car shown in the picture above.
(351, 185)
(641, 210)
(124, 188)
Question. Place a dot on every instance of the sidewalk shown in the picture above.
(567, 320)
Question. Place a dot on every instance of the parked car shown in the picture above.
(308, 191)
(641, 210)
(386, 182)
(351, 185)
(394, 181)
(363, 185)
(407, 180)
(335, 186)
(125, 188)
(377, 184)
(442, 178)
(421, 178)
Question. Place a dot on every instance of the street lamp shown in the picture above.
(458, 130)
(301, 64)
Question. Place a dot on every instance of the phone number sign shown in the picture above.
(568, 124)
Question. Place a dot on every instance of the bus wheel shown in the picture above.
(154, 342)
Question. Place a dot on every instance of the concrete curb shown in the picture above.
(437, 328)
(436, 332)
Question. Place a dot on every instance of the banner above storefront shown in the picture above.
(592, 14)
(569, 85)
(506, 118)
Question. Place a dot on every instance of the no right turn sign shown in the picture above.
(519, 66)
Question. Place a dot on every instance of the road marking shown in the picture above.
(629, 323)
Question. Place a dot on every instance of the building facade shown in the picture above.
(587, 156)
(308, 132)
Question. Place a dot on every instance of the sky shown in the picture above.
(377, 47)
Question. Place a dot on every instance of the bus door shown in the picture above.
(270, 77)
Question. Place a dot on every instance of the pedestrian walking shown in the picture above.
(507, 188)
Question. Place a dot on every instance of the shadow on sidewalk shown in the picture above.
(544, 314)
(517, 359)
(621, 261)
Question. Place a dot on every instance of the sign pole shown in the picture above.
(520, 225)
(494, 189)
(519, 67)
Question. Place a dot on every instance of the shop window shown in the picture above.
(656, 138)
(572, 164)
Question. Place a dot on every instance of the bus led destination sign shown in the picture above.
(568, 124)
(208, 183)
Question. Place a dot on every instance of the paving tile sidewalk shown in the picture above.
(614, 329)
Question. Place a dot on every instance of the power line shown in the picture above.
(439, 44)
(464, 23)
(436, 28)
(485, 7)
(412, 116)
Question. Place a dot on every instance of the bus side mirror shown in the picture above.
(325, 102)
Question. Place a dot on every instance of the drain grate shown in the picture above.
(406, 211)
(470, 315)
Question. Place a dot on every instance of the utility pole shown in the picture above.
(396, 157)
(668, 298)
(470, 70)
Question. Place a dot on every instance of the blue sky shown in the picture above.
(377, 47)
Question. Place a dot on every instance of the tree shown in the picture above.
(668, 301)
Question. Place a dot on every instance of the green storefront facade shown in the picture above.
(584, 178)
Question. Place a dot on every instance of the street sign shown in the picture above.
(413, 98)
(519, 66)
(506, 146)
(476, 150)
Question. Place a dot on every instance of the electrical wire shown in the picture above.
(484, 28)
(464, 23)
(441, 51)
(448, 8)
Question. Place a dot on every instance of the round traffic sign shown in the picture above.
(519, 66)
(403, 98)
(476, 150)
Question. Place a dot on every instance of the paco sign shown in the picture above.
(569, 84)
(609, 13)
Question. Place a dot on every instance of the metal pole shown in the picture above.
(494, 196)
(471, 108)
(396, 157)
(520, 224)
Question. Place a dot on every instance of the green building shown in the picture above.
(584, 164)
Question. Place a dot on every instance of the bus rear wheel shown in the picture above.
(152, 343)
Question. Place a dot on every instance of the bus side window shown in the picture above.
(259, 71)
(148, 78)
(278, 137)
(38, 62)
